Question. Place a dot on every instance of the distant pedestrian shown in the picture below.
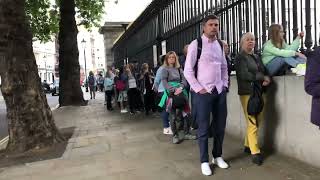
(100, 82)
(134, 96)
(122, 88)
(116, 91)
(108, 85)
(159, 89)
(182, 58)
(146, 83)
(92, 82)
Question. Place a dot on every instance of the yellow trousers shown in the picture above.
(253, 123)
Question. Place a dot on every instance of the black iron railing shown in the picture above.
(178, 22)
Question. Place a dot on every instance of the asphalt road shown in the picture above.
(52, 100)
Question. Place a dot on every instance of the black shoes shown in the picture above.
(175, 139)
(257, 159)
(247, 150)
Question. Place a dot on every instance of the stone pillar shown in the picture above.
(111, 32)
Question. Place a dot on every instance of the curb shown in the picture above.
(55, 108)
(4, 141)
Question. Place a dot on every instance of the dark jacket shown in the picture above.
(229, 71)
(249, 68)
(312, 84)
(182, 61)
(146, 82)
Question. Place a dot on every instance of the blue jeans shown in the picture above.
(165, 118)
(164, 114)
(193, 109)
(277, 63)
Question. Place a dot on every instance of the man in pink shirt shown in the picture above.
(209, 91)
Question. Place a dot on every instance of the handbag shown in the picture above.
(255, 103)
(178, 101)
(120, 85)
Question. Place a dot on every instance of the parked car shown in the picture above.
(55, 87)
(45, 87)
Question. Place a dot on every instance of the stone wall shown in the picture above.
(111, 32)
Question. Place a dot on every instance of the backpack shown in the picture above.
(91, 81)
(199, 51)
(120, 85)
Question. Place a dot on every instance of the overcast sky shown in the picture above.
(125, 10)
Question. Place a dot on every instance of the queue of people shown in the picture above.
(203, 74)
(127, 88)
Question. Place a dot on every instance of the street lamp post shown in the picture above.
(45, 67)
(83, 42)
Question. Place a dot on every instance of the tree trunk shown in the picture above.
(69, 68)
(31, 124)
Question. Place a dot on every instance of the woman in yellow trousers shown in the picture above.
(250, 69)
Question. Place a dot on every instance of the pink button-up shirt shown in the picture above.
(212, 66)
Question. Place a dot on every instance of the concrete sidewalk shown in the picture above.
(113, 146)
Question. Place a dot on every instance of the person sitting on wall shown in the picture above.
(276, 54)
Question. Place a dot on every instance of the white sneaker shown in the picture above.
(167, 131)
(301, 70)
(123, 111)
(220, 162)
(205, 169)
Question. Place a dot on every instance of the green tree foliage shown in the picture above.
(44, 16)
(89, 12)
